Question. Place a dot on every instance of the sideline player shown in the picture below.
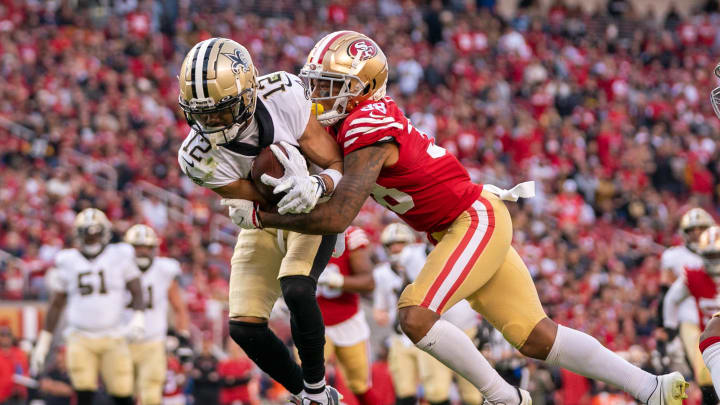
(409, 365)
(91, 282)
(673, 262)
(159, 284)
(347, 334)
(403, 170)
(234, 114)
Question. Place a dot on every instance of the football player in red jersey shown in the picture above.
(402, 169)
(347, 334)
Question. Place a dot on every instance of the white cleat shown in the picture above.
(670, 390)
(525, 398)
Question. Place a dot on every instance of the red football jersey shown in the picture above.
(337, 305)
(427, 187)
(703, 288)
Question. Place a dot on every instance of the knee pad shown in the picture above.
(298, 290)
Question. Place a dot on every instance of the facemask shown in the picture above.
(143, 262)
(92, 249)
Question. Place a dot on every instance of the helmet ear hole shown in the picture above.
(366, 90)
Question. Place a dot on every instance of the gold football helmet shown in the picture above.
(692, 223)
(145, 241)
(92, 230)
(397, 233)
(218, 89)
(709, 249)
(141, 235)
(344, 69)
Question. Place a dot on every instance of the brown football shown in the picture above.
(267, 163)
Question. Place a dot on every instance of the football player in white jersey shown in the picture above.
(673, 263)
(91, 282)
(234, 114)
(409, 365)
(160, 286)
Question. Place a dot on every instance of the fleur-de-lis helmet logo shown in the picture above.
(239, 61)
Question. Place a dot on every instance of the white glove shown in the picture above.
(303, 190)
(294, 164)
(331, 279)
(243, 212)
(136, 327)
(303, 194)
(39, 353)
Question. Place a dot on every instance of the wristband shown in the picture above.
(335, 175)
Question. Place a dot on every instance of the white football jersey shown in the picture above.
(281, 114)
(95, 288)
(676, 259)
(156, 281)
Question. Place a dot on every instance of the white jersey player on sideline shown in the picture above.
(409, 365)
(159, 284)
(91, 282)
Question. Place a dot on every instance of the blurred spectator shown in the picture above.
(55, 384)
(236, 373)
(206, 380)
(12, 361)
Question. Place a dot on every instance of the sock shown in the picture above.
(406, 401)
(270, 354)
(447, 343)
(445, 402)
(317, 392)
(709, 397)
(307, 327)
(85, 397)
(368, 398)
(583, 354)
(122, 400)
(710, 349)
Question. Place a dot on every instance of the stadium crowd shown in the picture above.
(608, 113)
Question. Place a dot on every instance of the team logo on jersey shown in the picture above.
(364, 47)
(239, 61)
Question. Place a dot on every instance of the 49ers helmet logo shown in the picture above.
(364, 47)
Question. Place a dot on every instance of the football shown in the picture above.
(267, 163)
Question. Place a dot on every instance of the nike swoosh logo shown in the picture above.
(373, 115)
(189, 163)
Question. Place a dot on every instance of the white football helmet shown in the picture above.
(92, 230)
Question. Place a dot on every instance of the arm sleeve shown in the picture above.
(677, 292)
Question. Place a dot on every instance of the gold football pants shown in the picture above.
(150, 366)
(261, 258)
(474, 260)
(110, 357)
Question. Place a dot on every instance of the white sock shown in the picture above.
(711, 356)
(321, 396)
(447, 343)
(583, 354)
